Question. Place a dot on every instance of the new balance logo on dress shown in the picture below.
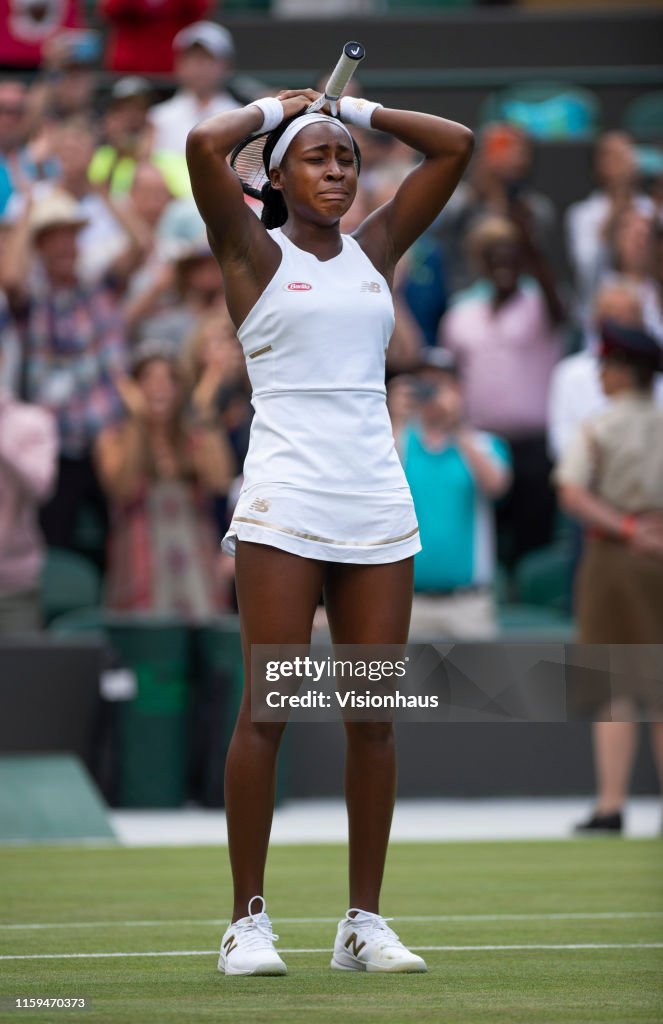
(370, 286)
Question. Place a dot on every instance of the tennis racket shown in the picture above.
(246, 158)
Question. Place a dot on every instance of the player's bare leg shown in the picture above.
(277, 594)
(369, 604)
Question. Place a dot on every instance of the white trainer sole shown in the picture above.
(261, 970)
(369, 968)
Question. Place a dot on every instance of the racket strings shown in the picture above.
(247, 162)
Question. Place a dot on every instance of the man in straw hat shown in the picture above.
(73, 348)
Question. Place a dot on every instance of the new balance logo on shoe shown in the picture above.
(356, 949)
(380, 949)
(247, 947)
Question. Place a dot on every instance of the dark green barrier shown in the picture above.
(172, 738)
(154, 740)
(151, 731)
(220, 657)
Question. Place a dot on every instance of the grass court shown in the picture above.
(531, 932)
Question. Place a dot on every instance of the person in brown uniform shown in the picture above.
(611, 478)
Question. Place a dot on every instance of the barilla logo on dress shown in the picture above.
(297, 286)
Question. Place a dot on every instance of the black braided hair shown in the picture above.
(274, 209)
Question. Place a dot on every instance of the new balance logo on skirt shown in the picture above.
(259, 505)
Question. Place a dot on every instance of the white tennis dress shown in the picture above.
(322, 477)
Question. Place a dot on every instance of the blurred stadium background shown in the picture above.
(115, 720)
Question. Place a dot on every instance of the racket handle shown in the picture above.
(352, 55)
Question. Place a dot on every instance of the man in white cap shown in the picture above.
(204, 55)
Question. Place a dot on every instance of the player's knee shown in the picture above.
(269, 732)
(369, 732)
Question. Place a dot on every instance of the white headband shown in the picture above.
(294, 128)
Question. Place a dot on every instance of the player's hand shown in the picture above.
(296, 100)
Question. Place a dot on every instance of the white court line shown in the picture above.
(441, 949)
(624, 915)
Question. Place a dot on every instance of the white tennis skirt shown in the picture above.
(363, 527)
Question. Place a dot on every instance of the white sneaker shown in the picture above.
(365, 942)
(248, 945)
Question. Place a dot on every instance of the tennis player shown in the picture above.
(325, 506)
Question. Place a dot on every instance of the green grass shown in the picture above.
(185, 892)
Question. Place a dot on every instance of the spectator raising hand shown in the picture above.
(161, 473)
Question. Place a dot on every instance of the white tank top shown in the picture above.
(315, 345)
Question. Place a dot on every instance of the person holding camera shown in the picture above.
(454, 473)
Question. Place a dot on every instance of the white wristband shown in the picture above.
(272, 112)
(355, 110)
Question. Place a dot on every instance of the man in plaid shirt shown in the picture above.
(73, 346)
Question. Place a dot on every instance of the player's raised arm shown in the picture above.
(246, 254)
(216, 188)
(446, 147)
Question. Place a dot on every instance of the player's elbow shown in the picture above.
(199, 142)
(464, 142)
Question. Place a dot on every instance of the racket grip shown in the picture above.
(353, 54)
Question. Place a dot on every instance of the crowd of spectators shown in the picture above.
(124, 393)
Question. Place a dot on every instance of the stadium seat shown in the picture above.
(545, 110)
(81, 620)
(68, 582)
(153, 727)
(532, 624)
(564, 526)
(542, 577)
(89, 537)
(643, 118)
